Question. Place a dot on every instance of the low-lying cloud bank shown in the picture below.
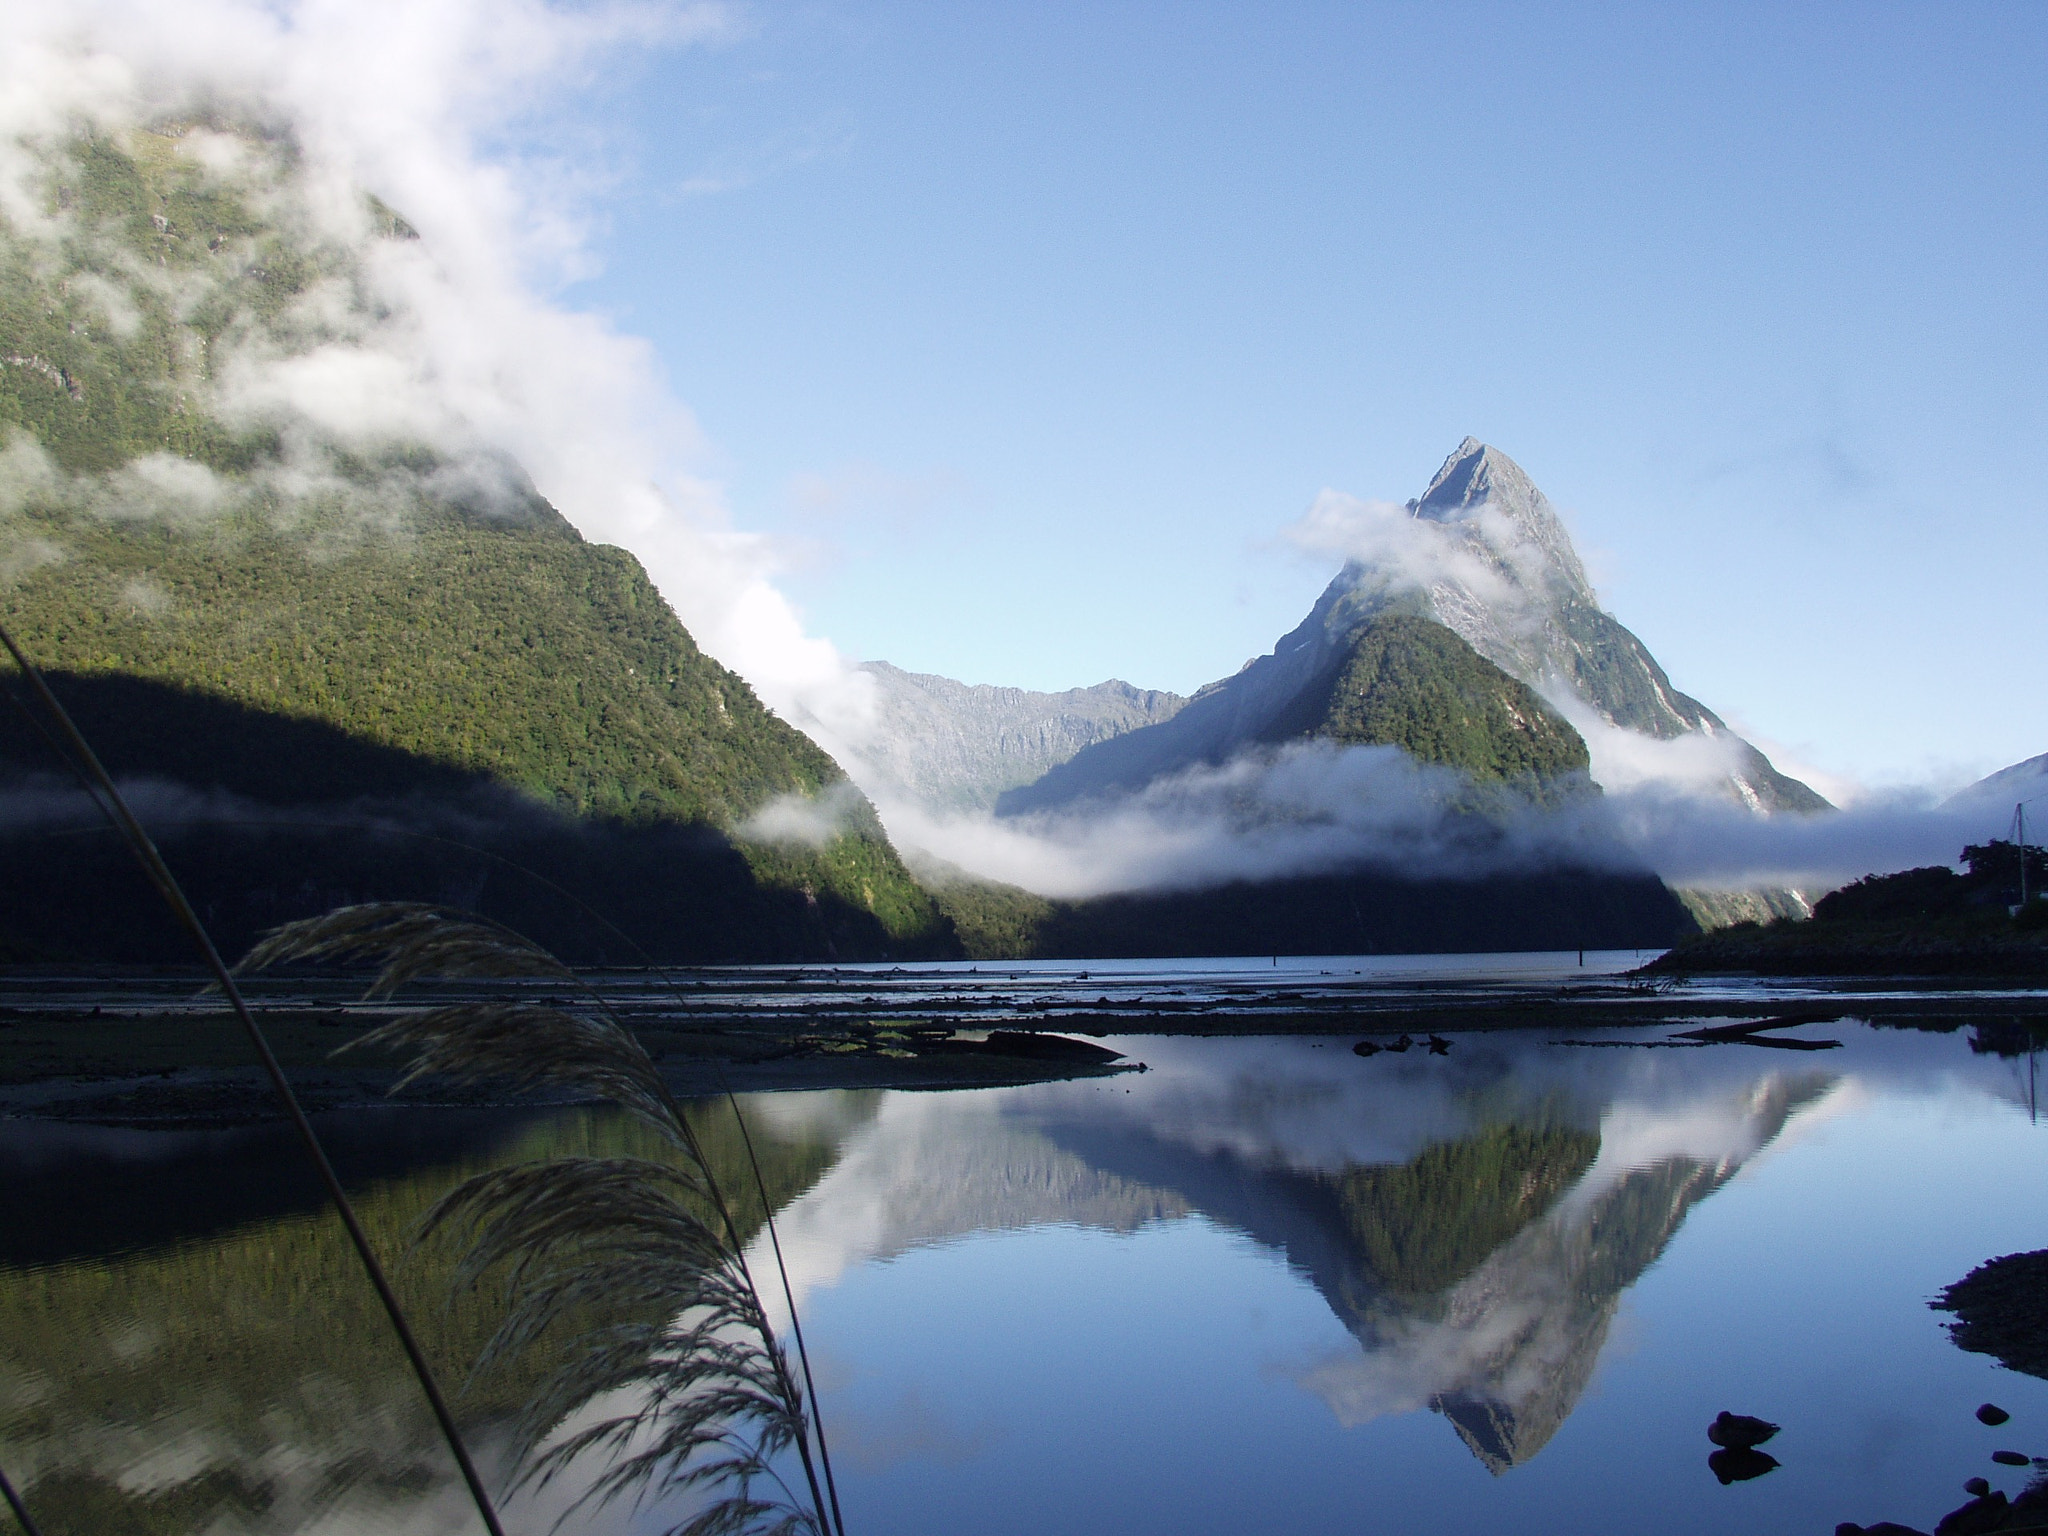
(1314, 808)
(1719, 846)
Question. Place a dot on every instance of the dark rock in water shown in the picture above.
(1366, 1048)
(1439, 1046)
(1717, 1034)
(1401, 1044)
(2001, 1310)
(1739, 1431)
(1976, 1517)
(1976, 1487)
(1740, 1463)
(1882, 1528)
(2011, 1459)
(1037, 1047)
(1992, 1414)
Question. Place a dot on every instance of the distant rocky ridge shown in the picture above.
(1557, 633)
(957, 746)
(1538, 622)
(1396, 678)
(1724, 909)
(2015, 783)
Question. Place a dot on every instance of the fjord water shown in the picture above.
(1266, 1284)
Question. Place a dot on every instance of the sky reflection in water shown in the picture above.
(1749, 1231)
(1266, 1285)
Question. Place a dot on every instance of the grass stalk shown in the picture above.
(796, 1327)
(713, 1398)
(83, 761)
(20, 1509)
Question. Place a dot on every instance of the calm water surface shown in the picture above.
(1264, 1285)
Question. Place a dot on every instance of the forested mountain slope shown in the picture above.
(282, 636)
(1395, 679)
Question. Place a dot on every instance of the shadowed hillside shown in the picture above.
(266, 818)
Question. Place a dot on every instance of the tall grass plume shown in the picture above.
(701, 1401)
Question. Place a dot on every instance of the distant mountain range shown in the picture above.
(2020, 781)
(1466, 634)
(957, 746)
(335, 668)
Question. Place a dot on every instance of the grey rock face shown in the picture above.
(959, 745)
(1502, 575)
(1724, 909)
(1544, 625)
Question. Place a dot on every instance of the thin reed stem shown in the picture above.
(20, 1509)
(85, 762)
(803, 1444)
(796, 1326)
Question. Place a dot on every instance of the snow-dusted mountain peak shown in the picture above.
(1478, 476)
(1484, 553)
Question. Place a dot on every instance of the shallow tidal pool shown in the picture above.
(1264, 1285)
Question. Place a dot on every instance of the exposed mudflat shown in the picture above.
(159, 1049)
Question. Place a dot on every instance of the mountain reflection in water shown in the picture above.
(1472, 1222)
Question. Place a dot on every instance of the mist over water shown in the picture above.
(1315, 808)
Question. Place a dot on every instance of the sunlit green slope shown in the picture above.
(182, 562)
(1404, 681)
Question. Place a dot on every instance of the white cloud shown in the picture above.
(1306, 808)
(1478, 558)
(808, 820)
(1624, 761)
(1314, 808)
(452, 340)
(164, 484)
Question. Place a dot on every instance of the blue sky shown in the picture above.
(1030, 328)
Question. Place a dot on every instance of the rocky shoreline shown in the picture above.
(1805, 948)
